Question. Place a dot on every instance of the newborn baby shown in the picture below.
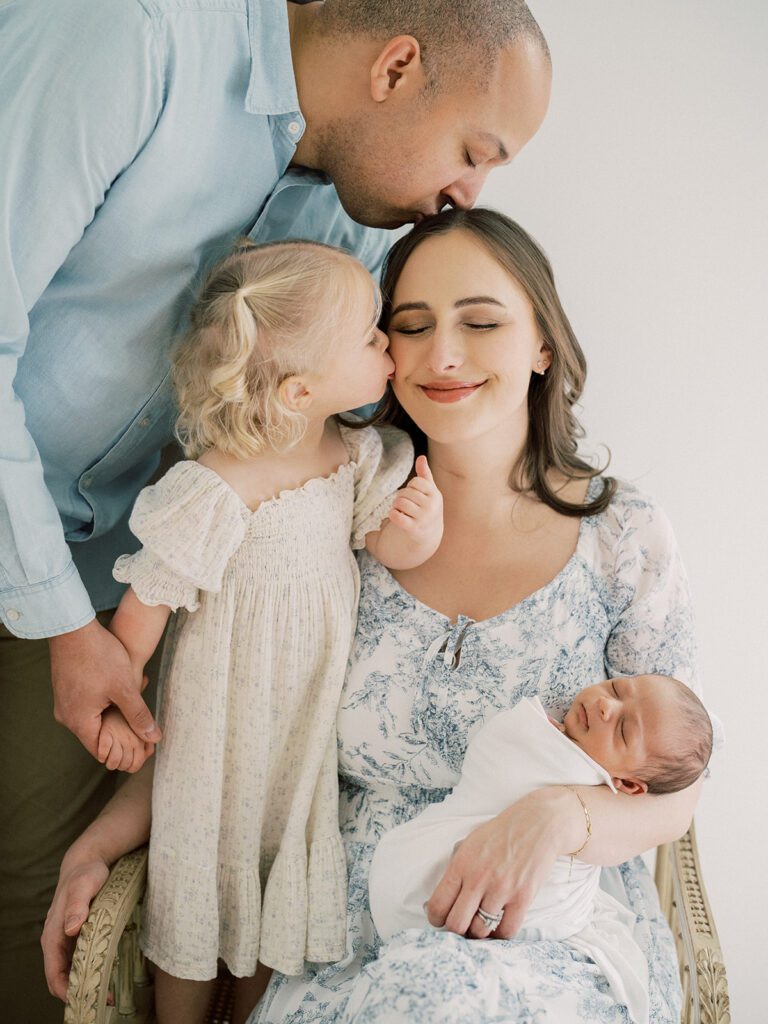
(636, 734)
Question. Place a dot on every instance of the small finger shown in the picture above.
(402, 521)
(105, 745)
(422, 469)
(115, 756)
(406, 505)
(425, 487)
(126, 761)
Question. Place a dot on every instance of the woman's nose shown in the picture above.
(445, 353)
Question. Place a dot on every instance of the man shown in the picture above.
(139, 138)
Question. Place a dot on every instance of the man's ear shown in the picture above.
(295, 393)
(397, 68)
(632, 786)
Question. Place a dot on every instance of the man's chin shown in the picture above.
(370, 217)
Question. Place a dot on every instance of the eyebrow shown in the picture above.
(475, 300)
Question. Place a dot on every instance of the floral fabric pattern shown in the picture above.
(416, 686)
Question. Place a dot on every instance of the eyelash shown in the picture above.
(621, 724)
(410, 331)
(469, 159)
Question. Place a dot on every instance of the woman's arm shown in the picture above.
(122, 826)
(503, 863)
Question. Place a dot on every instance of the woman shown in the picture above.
(548, 576)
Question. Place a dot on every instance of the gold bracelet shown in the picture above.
(587, 822)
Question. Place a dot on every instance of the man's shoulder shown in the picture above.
(162, 8)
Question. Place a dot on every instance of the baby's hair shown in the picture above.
(679, 768)
(265, 313)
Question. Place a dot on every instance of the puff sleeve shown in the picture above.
(384, 459)
(190, 524)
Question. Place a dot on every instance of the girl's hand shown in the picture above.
(78, 884)
(418, 508)
(502, 864)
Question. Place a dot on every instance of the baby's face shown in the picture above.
(622, 723)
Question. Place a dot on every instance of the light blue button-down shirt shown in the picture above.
(138, 138)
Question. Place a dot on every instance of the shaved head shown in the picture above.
(446, 30)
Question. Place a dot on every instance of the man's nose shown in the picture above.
(464, 192)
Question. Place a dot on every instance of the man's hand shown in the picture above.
(90, 669)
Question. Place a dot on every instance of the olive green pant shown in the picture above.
(50, 789)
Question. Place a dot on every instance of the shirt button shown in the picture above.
(294, 127)
(87, 481)
(13, 614)
(145, 422)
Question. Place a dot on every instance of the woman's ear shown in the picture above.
(397, 68)
(543, 359)
(295, 394)
(632, 786)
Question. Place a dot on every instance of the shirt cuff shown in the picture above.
(49, 608)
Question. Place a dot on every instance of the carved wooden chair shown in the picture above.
(107, 960)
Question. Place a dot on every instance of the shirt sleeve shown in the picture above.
(80, 91)
(384, 460)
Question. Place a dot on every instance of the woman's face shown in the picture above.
(464, 339)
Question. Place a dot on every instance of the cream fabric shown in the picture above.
(512, 753)
(246, 862)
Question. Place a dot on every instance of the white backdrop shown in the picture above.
(648, 186)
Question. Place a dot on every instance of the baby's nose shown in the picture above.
(604, 706)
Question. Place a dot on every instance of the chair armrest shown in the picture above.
(107, 956)
(685, 904)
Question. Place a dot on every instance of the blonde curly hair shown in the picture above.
(265, 313)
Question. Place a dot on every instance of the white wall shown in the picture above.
(648, 188)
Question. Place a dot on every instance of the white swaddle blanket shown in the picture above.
(511, 754)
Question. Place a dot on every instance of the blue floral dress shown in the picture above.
(417, 683)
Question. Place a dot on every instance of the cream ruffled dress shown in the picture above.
(246, 863)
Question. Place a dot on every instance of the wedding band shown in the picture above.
(491, 921)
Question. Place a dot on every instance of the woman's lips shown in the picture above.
(453, 391)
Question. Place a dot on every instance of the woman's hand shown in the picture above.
(502, 864)
(79, 881)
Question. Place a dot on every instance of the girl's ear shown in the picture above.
(632, 786)
(295, 394)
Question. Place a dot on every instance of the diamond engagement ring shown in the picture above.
(491, 921)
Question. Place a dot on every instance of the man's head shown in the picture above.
(410, 103)
(651, 733)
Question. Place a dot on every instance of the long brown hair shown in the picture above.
(553, 429)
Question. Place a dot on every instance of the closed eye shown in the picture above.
(411, 330)
(468, 159)
(483, 327)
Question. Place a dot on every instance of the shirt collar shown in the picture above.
(271, 85)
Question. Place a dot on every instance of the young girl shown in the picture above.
(251, 543)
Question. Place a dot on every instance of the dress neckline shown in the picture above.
(314, 484)
(532, 598)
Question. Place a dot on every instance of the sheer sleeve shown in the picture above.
(190, 524)
(384, 459)
(652, 630)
